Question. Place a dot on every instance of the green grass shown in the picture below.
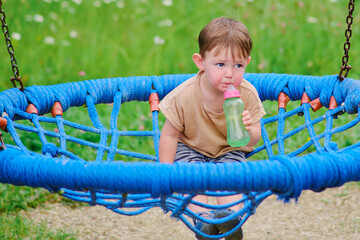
(14, 198)
(17, 198)
(95, 40)
(16, 227)
(108, 41)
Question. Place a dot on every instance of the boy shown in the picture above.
(195, 126)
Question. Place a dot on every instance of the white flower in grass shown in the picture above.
(73, 34)
(28, 18)
(167, 3)
(165, 23)
(311, 19)
(16, 36)
(158, 40)
(53, 27)
(65, 43)
(115, 17)
(38, 18)
(261, 65)
(78, 2)
(107, 1)
(47, 1)
(49, 40)
(120, 4)
(97, 3)
(72, 11)
(53, 16)
(65, 5)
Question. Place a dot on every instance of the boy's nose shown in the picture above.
(229, 73)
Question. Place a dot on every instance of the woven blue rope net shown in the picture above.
(102, 177)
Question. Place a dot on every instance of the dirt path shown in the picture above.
(331, 214)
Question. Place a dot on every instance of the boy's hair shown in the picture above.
(225, 33)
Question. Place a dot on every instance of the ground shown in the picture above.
(331, 214)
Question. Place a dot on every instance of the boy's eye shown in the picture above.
(220, 64)
(238, 65)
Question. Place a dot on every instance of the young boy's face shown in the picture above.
(222, 69)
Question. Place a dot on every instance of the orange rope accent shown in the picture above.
(316, 104)
(57, 110)
(283, 100)
(3, 123)
(305, 98)
(333, 104)
(32, 109)
(154, 102)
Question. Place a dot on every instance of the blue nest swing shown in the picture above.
(131, 188)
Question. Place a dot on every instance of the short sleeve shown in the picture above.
(172, 110)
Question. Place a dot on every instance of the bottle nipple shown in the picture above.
(231, 92)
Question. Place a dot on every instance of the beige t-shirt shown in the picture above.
(201, 129)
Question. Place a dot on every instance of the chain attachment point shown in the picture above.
(10, 48)
(2, 146)
(18, 79)
(348, 33)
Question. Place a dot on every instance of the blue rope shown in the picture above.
(268, 86)
(285, 175)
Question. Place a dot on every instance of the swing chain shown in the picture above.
(2, 146)
(10, 49)
(348, 33)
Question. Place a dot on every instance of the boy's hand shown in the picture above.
(247, 120)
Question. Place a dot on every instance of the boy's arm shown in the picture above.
(168, 143)
(254, 129)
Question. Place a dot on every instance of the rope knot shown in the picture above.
(296, 185)
(50, 148)
(333, 146)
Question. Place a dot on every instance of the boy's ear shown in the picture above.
(249, 60)
(198, 61)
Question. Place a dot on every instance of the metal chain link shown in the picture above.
(348, 33)
(2, 143)
(10, 49)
